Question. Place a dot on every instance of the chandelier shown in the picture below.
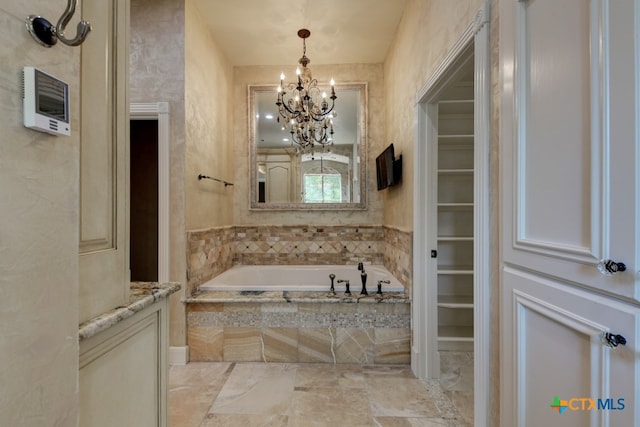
(307, 112)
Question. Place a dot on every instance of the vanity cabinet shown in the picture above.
(455, 207)
(123, 372)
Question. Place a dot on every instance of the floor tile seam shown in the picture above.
(329, 389)
(445, 406)
(213, 402)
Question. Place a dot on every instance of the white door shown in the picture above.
(104, 136)
(278, 182)
(570, 105)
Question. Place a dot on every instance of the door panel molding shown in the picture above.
(554, 301)
(103, 262)
(524, 305)
(546, 319)
(99, 153)
(535, 235)
(584, 245)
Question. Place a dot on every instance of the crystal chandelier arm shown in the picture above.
(288, 105)
(323, 113)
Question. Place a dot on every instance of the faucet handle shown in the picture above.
(332, 290)
(380, 282)
(346, 282)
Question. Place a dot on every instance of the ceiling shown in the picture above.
(261, 32)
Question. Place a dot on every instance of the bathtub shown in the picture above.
(300, 278)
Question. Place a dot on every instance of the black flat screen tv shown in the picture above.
(388, 169)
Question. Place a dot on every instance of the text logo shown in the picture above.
(559, 405)
(587, 404)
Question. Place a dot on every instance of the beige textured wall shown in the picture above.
(208, 109)
(427, 31)
(157, 73)
(38, 236)
(343, 73)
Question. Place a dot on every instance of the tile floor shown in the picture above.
(224, 394)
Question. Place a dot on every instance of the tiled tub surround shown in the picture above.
(209, 253)
(398, 255)
(212, 251)
(287, 326)
(303, 278)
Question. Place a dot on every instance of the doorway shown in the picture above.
(466, 304)
(143, 196)
(149, 140)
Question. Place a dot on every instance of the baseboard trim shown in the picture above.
(179, 355)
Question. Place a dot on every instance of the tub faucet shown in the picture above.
(332, 290)
(346, 282)
(363, 277)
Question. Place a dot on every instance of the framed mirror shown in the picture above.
(330, 177)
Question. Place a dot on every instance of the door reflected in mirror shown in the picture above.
(285, 176)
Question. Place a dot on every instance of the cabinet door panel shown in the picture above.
(570, 143)
(555, 61)
(570, 108)
(557, 351)
(104, 138)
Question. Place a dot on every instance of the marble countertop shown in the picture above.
(296, 297)
(143, 294)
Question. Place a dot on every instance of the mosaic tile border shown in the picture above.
(301, 319)
(323, 245)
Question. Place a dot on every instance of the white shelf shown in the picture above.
(455, 239)
(456, 106)
(464, 346)
(455, 333)
(455, 301)
(466, 139)
(455, 171)
(448, 269)
(455, 205)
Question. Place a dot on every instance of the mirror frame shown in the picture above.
(362, 143)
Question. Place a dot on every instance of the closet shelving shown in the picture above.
(455, 217)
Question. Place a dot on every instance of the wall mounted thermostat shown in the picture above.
(45, 102)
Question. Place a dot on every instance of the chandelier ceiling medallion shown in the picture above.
(306, 111)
